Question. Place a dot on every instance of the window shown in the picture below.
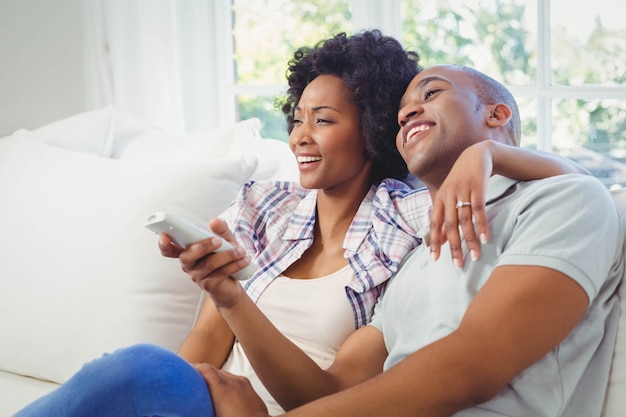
(265, 35)
(565, 63)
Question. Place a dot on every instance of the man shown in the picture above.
(527, 330)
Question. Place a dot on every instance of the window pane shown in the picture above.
(273, 122)
(593, 133)
(496, 37)
(528, 108)
(267, 32)
(588, 42)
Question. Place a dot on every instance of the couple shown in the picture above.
(520, 322)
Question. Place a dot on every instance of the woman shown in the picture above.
(324, 248)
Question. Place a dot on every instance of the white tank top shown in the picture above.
(313, 313)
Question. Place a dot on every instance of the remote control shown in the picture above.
(184, 233)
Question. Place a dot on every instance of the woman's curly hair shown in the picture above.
(376, 70)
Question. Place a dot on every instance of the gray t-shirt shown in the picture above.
(568, 223)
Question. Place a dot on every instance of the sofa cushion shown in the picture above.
(275, 159)
(18, 391)
(89, 132)
(80, 275)
(615, 403)
(162, 144)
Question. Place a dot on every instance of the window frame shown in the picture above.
(387, 17)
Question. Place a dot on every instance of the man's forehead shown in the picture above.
(451, 74)
(423, 78)
(443, 71)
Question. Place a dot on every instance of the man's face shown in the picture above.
(440, 115)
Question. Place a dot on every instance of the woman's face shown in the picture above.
(326, 137)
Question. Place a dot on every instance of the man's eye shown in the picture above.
(431, 93)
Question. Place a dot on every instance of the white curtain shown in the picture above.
(153, 59)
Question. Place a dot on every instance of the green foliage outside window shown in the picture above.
(494, 36)
(267, 33)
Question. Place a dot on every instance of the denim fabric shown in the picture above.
(141, 380)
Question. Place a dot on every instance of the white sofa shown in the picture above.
(80, 275)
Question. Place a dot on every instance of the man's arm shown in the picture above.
(518, 316)
(360, 358)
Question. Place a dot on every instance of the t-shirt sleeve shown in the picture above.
(569, 224)
(377, 316)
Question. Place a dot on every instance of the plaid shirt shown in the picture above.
(274, 222)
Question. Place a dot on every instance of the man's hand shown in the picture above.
(232, 395)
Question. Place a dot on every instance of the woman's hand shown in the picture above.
(232, 395)
(211, 270)
(460, 203)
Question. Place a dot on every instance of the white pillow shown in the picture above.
(169, 145)
(275, 159)
(103, 132)
(88, 132)
(79, 274)
(166, 144)
(127, 128)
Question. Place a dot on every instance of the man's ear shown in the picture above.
(499, 115)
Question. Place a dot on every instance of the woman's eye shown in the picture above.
(296, 121)
(319, 120)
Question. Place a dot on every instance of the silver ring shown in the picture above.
(460, 204)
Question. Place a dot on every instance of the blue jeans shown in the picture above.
(142, 380)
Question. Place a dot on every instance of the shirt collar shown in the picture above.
(302, 218)
(499, 187)
(360, 226)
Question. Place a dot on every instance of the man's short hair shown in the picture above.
(491, 91)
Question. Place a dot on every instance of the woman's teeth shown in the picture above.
(303, 159)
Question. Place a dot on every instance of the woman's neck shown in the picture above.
(336, 210)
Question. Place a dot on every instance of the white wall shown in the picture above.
(41, 62)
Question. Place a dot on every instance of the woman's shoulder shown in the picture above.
(397, 190)
(262, 193)
(397, 202)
